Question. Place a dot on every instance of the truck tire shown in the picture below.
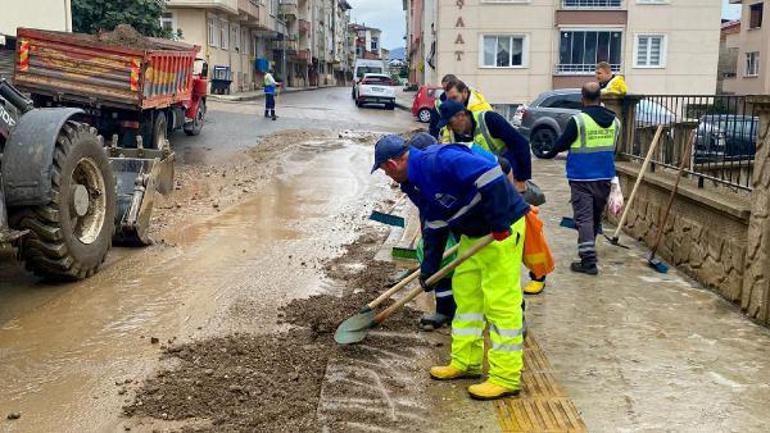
(159, 130)
(194, 127)
(70, 236)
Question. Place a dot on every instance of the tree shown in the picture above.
(92, 16)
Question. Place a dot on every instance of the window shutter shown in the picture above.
(641, 53)
(655, 46)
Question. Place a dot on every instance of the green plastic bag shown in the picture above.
(451, 241)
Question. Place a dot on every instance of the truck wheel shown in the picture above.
(159, 130)
(194, 127)
(70, 236)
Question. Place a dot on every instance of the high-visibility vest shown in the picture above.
(481, 135)
(616, 86)
(476, 103)
(592, 154)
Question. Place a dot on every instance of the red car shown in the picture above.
(424, 101)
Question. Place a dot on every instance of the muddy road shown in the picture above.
(249, 229)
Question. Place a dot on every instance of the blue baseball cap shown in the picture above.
(388, 147)
(421, 140)
(448, 110)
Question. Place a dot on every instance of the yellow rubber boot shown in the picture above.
(450, 372)
(534, 287)
(490, 391)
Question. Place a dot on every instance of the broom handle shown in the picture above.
(481, 243)
(401, 284)
(646, 162)
(664, 220)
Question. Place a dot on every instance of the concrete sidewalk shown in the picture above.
(639, 351)
(260, 94)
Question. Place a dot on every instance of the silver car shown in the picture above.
(543, 121)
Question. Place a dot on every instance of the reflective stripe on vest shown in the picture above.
(483, 138)
(592, 137)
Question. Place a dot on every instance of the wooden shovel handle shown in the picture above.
(639, 178)
(403, 283)
(682, 164)
(443, 272)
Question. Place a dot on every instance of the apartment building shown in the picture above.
(749, 48)
(232, 34)
(515, 49)
(368, 42)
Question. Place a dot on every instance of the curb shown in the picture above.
(253, 97)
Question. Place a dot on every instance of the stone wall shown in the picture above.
(706, 233)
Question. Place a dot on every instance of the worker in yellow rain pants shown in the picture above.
(468, 195)
(482, 290)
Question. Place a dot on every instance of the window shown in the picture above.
(581, 50)
(650, 51)
(224, 34)
(213, 31)
(503, 51)
(752, 64)
(375, 43)
(236, 36)
(167, 21)
(591, 4)
(572, 101)
(756, 11)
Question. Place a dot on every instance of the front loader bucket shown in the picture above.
(140, 175)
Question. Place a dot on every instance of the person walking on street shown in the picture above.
(590, 137)
(469, 195)
(610, 83)
(492, 132)
(270, 86)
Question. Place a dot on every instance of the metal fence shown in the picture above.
(721, 132)
(591, 4)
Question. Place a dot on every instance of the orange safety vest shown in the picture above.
(537, 256)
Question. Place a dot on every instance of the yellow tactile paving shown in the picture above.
(543, 406)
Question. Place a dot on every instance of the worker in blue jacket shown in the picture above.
(469, 195)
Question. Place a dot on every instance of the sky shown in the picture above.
(730, 11)
(388, 16)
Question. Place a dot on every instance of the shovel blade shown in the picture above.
(355, 328)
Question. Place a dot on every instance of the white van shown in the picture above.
(363, 67)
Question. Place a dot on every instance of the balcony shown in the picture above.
(302, 56)
(304, 26)
(289, 8)
(248, 11)
(285, 45)
(581, 69)
(591, 4)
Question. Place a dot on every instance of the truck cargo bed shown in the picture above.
(93, 70)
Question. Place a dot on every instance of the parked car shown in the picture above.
(376, 89)
(544, 120)
(424, 101)
(726, 137)
(363, 67)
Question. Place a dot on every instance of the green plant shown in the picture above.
(92, 16)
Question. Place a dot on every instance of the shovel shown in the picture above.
(366, 315)
(355, 329)
(615, 239)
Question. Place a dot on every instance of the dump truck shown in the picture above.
(66, 192)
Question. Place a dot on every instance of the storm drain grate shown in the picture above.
(543, 406)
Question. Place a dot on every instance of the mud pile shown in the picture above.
(244, 383)
(273, 383)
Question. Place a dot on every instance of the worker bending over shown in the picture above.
(469, 195)
(590, 137)
(492, 132)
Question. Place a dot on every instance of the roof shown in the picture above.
(356, 26)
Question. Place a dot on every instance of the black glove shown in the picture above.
(424, 283)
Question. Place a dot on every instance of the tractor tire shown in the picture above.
(194, 128)
(70, 236)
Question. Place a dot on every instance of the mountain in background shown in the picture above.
(398, 54)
